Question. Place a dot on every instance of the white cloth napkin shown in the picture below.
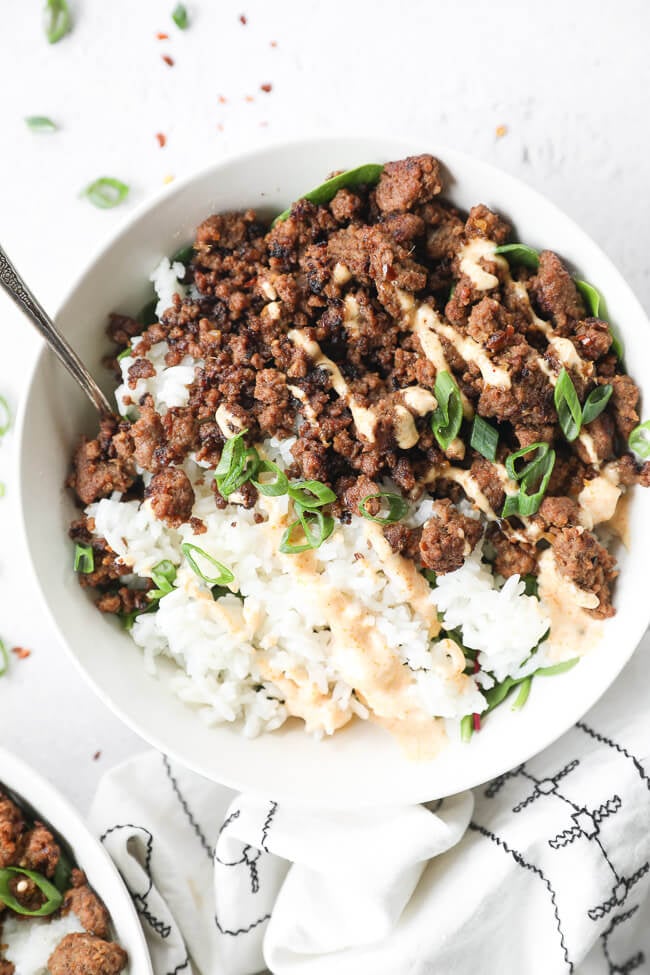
(545, 870)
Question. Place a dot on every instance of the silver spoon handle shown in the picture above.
(16, 288)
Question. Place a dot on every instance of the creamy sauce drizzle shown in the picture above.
(573, 631)
(469, 258)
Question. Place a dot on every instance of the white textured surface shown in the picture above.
(569, 81)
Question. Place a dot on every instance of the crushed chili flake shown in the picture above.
(243, 19)
(97, 755)
(162, 37)
(266, 87)
(162, 139)
(21, 652)
(501, 130)
(168, 60)
(222, 100)
(274, 43)
(249, 98)
(220, 127)
(263, 125)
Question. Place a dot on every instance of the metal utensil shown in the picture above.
(16, 288)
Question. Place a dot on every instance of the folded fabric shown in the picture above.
(544, 870)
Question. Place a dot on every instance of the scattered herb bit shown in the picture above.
(311, 494)
(5, 416)
(179, 16)
(107, 192)
(22, 653)
(58, 21)
(53, 897)
(567, 404)
(224, 576)
(522, 696)
(448, 415)
(537, 472)
(639, 440)
(161, 139)
(531, 585)
(396, 504)
(272, 489)
(267, 87)
(4, 659)
(168, 60)
(596, 402)
(368, 174)
(164, 576)
(519, 254)
(315, 526)
(238, 464)
(62, 873)
(484, 438)
(431, 577)
(40, 123)
(84, 559)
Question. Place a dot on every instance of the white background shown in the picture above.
(568, 79)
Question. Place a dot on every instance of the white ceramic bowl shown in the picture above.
(88, 852)
(361, 765)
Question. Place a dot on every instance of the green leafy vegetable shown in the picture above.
(5, 416)
(368, 174)
(593, 298)
(184, 255)
(53, 897)
(484, 438)
(639, 440)
(522, 696)
(272, 489)
(567, 404)
(58, 21)
(106, 192)
(311, 494)
(163, 575)
(224, 576)
(467, 727)
(179, 16)
(4, 659)
(557, 668)
(62, 873)
(519, 254)
(596, 402)
(536, 473)
(532, 586)
(40, 123)
(448, 415)
(238, 464)
(396, 504)
(84, 559)
(147, 314)
(315, 528)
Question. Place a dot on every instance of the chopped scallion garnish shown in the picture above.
(397, 507)
(124, 354)
(524, 691)
(163, 575)
(4, 659)
(84, 559)
(272, 489)
(224, 576)
(596, 402)
(639, 440)
(238, 464)
(5, 416)
(40, 123)
(315, 527)
(311, 494)
(53, 897)
(485, 439)
(567, 404)
(106, 192)
(519, 254)
(179, 16)
(448, 415)
(58, 21)
(536, 473)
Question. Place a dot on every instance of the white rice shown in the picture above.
(31, 942)
(229, 652)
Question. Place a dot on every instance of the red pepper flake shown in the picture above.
(477, 721)
(267, 87)
(162, 37)
(249, 98)
(243, 19)
(220, 127)
(274, 43)
(222, 100)
(263, 125)
(166, 58)
(97, 756)
(162, 139)
(21, 652)
(500, 131)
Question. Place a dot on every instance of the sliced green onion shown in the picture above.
(5, 416)
(557, 668)
(311, 494)
(179, 16)
(124, 354)
(368, 174)
(596, 402)
(106, 192)
(467, 727)
(184, 255)
(397, 507)
(147, 314)
(536, 472)
(58, 21)
(84, 559)
(40, 123)
(522, 696)
(224, 577)
(54, 897)
(4, 659)
(315, 526)
(128, 619)
(272, 489)
(519, 254)
(3, 489)
(163, 574)
(639, 440)
(448, 415)
(238, 464)
(567, 404)
(484, 438)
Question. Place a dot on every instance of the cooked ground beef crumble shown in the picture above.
(332, 326)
